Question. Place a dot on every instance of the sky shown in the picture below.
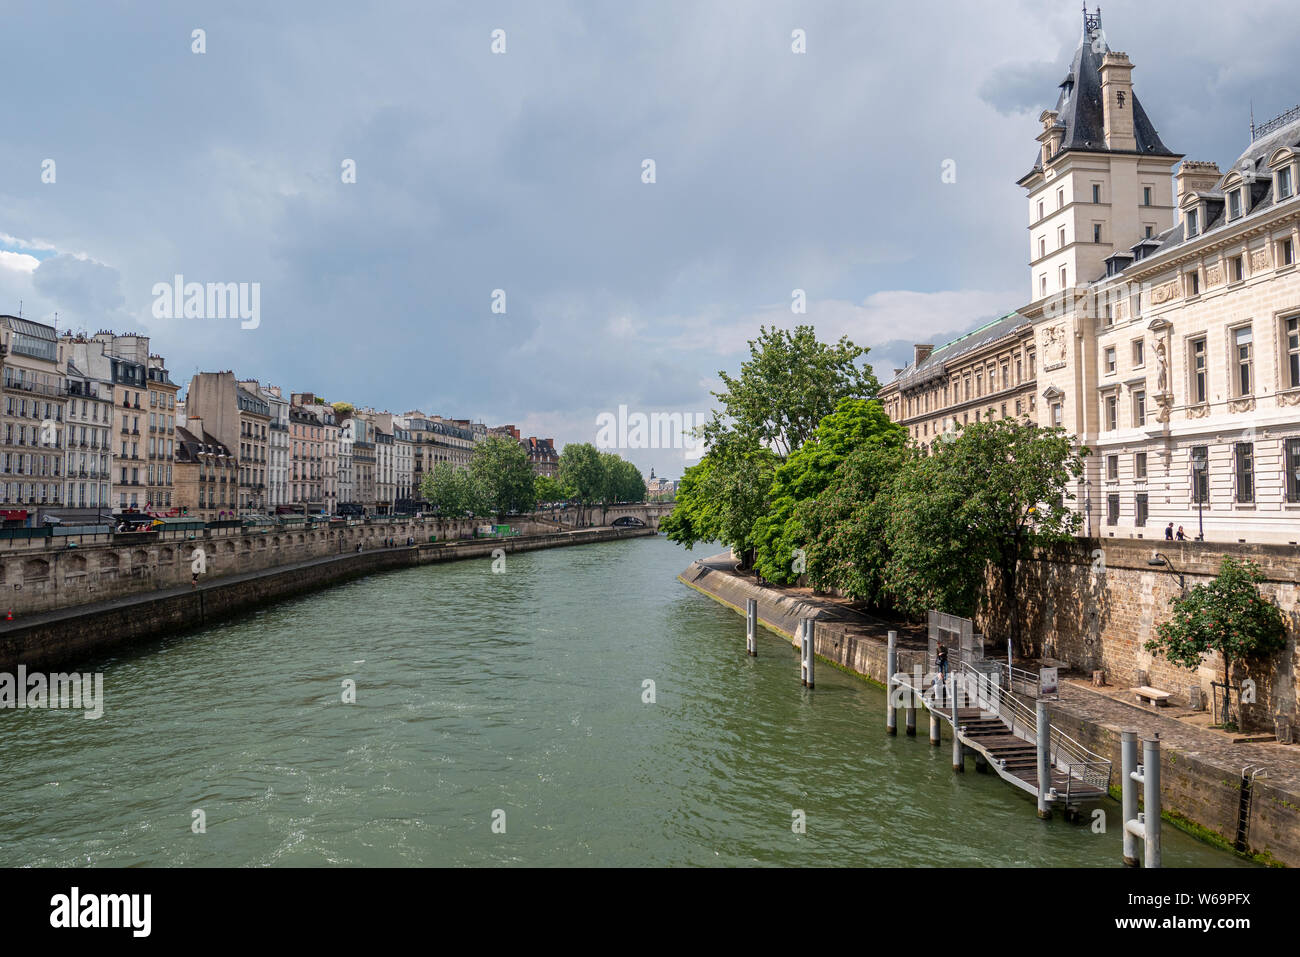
(518, 179)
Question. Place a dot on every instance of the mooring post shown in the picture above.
(958, 762)
(1151, 800)
(806, 651)
(1044, 765)
(751, 626)
(891, 684)
(934, 728)
(1128, 757)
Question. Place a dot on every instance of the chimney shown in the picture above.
(1117, 101)
(921, 352)
(1194, 176)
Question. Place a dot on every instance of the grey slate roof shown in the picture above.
(1079, 108)
(935, 362)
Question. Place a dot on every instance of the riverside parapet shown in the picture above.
(57, 638)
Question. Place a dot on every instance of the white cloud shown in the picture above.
(20, 262)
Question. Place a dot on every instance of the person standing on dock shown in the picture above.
(941, 664)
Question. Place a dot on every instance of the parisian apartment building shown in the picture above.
(1163, 328)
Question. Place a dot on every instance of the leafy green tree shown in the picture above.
(547, 489)
(722, 496)
(1227, 615)
(846, 524)
(808, 471)
(500, 465)
(988, 497)
(790, 383)
(580, 470)
(454, 491)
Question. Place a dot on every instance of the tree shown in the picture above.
(987, 497)
(1228, 615)
(500, 465)
(581, 471)
(454, 491)
(808, 471)
(846, 525)
(790, 383)
(547, 489)
(722, 496)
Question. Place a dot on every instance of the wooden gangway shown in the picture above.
(992, 721)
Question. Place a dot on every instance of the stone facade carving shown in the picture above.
(1164, 292)
(1244, 404)
(1214, 275)
(1259, 260)
(1054, 347)
(1289, 398)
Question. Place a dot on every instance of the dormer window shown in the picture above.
(1234, 204)
(1284, 187)
(1193, 220)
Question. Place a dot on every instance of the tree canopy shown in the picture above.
(500, 466)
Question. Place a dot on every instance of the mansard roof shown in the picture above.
(933, 365)
(1079, 106)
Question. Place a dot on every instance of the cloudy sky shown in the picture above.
(523, 172)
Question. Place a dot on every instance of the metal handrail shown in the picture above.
(1064, 752)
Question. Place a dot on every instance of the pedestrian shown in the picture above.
(1181, 535)
(194, 580)
(1169, 532)
(941, 663)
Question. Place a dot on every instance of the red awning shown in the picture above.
(13, 514)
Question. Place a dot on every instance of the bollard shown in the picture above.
(891, 684)
(1151, 800)
(934, 728)
(806, 635)
(910, 716)
(1129, 803)
(1044, 765)
(751, 626)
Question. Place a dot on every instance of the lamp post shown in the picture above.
(1199, 467)
(1160, 561)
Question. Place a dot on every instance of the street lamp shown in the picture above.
(1199, 467)
(1160, 561)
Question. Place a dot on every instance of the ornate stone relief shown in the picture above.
(1244, 404)
(1289, 398)
(1259, 259)
(1054, 347)
(1197, 411)
(1164, 292)
(1214, 275)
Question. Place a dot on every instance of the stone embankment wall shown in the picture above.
(1094, 604)
(73, 635)
(43, 574)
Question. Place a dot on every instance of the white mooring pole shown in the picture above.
(806, 652)
(1044, 758)
(1128, 759)
(751, 626)
(891, 683)
(958, 762)
(1146, 826)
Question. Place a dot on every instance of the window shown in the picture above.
(1197, 347)
(1200, 462)
(1060, 198)
(1148, 231)
(1042, 246)
(1042, 284)
(1112, 468)
(1096, 232)
(1291, 458)
(1140, 509)
(1112, 509)
(1237, 269)
(1063, 281)
(1110, 360)
(1139, 465)
(1244, 348)
(1060, 238)
(1112, 412)
(1040, 209)
(1292, 348)
(1191, 223)
(1139, 353)
(1193, 283)
(1029, 357)
(1139, 408)
(1146, 195)
(1245, 461)
(1286, 253)
(1284, 183)
(1057, 414)
(1234, 204)
(1096, 192)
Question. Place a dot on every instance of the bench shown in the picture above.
(1158, 699)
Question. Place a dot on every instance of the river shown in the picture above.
(503, 718)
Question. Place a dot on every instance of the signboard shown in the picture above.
(1048, 685)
